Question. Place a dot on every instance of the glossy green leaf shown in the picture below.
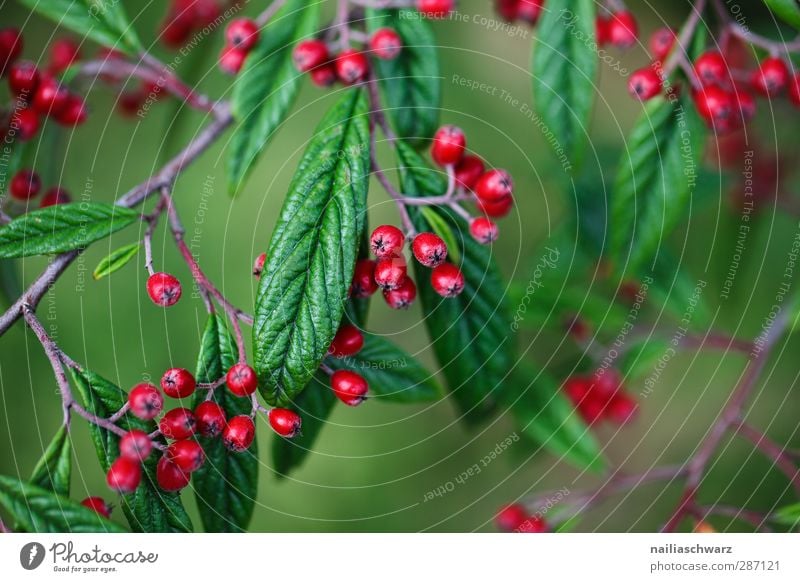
(564, 70)
(411, 84)
(61, 228)
(225, 486)
(54, 469)
(39, 510)
(311, 256)
(787, 10)
(788, 515)
(266, 88)
(116, 260)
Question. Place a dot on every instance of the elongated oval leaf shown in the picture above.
(564, 68)
(54, 469)
(787, 10)
(116, 260)
(225, 486)
(266, 89)
(61, 228)
(312, 253)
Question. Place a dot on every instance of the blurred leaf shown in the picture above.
(116, 260)
(641, 356)
(60, 228)
(312, 254)
(564, 68)
(104, 21)
(54, 469)
(789, 515)
(787, 10)
(411, 83)
(148, 509)
(226, 485)
(10, 283)
(672, 288)
(265, 90)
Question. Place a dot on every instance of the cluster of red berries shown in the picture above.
(515, 518)
(527, 11)
(241, 36)
(187, 17)
(26, 184)
(601, 396)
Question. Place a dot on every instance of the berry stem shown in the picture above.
(684, 39)
(772, 451)
(755, 518)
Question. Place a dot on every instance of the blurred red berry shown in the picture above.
(242, 33)
(145, 401)
(435, 8)
(98, 505)
(622, 29)
(483, 230)
(771, 77)
(23, 78)
(124, 475)
(187, 455)
(135, 445)
(231, 60)
(351, 66)
(178, 424)
(169, 476)
(645, 84)
(449, 144)
(364, 283)
(494, 185)
(386, 44)
(63, 53)
(25, 185)
(391, 272)
(661, 43)
(403, 296)
(711, 68)
(310, 54)
(468, 171)
(54, 197)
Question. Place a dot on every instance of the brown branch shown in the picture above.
(773, 451)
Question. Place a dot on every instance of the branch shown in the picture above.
(773, 451)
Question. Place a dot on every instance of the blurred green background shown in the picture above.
(373, 465)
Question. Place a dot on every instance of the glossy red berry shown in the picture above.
(239, 433)
(145, 401)
(364, 284)
(510, 517)
(242, 33)
(349, 387)
(178, 424)
(231, 60)
(449, 144)
(63, 53)
(794, 90)
(711, 68)
(468, 171)
(10, 47)
(124, 475)
(623, 29)
(348, 342)
(210, 418)
(23, 78)
(403, 296)
(258, 265)
(50, 97)
(601, 30)
(483, 230)
(351, 66)
(310, 54)
(241, 380)
(529, 10)
(25, 185)
(285, 422)
(390, 272)
(716, 106)
(435, 8)
(27, 121)
(771, 77)
(385, 43)
(496, 208)
(169, 476)
(746, 103)
(98, 505)
(386, 241)
(429, 249)
(73, 113)
(54, 197)
(135, 445)
(164, 289)
(645, 84)
(494, 185)
(187, 455)
(661, 43)
(323, 76)
(178, 383)
(447, 280)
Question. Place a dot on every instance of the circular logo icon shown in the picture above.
(31, 555)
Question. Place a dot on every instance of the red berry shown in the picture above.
(794, 90)
(135, 445)
(747, 105)
(210, 418)
(577, 388)
(309, 54)
(63, 53)
(771, 77)
(533, 524)
(622, 29)
(435, 8)
(602, 30)
(130, 102)
(390, 273)
(347, 342)
(645, 84)
(145, 401)
(507, 9)
(621, 410)
(323, 76)
(468, 171)
(178, 424)
(364, 279)
(429, 249)
(711, 68)
(178, 383)
(74, 112)
(241, 380)
(349, 387)
(661, 43)
(231, 60)
(483, 230)
(577, 328)
(258, 265)
(604, 384)
(187, 455)
(23, 78)
(385, 43)
(510, 517)
(591, 410)
(124, 475)
(169, 476)
(494, 186)
(447, 280)
(403, 296)
(351, 66)
(164, 289)
(529, 10)
(387, 241)
(449, 144)
(98, 505)
(54, 197)
(176, 31)
(496, 208)
(242, 33)
(716, 106)
(27, 121)
(10, 47)
(25, 185)
(239, 434)
(50, 97)
(285, 422)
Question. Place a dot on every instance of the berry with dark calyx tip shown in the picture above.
(187, 455)
(429, 249)
(23, 78)
(27, 124)
(351, 66)
(403, 296)
(231, 60)
(483, 230)
(124, 475)
(258, 265)
(449, 144)
(50, 97)
(468, 171)
(98, 505)
(241, 380)
(25, 185)
(349, 387)
(601, 30)
(494, 185)
(74, 112)
(435, 8)
(210, 418)
(364, 284)
(10, 47)
(716, 106)
(310, 54)
(386, 44)
(164, 289)
(391, 272)
(323, 76)
(348, 342)
(447, 280)
(645, 84)
(529, 10)
(63, 52)
(496, 208)
(510, 517)
(711, 68)
(242, 33)
(285, 422)
(533, 524)
(169, 476)
(771, 77)
(661, 43)
(178, 424)
(54, 197)
(386, 241)
(145, 401)
(794, 90)
(239, 433)
(622, 29)
(178, 383)
(621, 410)
(135, 445)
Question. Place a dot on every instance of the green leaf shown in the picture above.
(655, 181)
(60, 228)
(564, 69)
(411, 84)
(116, 260)
(39, 510)
(393, 374)
(104, 21)
(787, 10)
(54, 469)
(788, 515)
(311, 256)
(148, 509)
(266, 88)
(226, 485)
(641, 356)
(671, 288)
